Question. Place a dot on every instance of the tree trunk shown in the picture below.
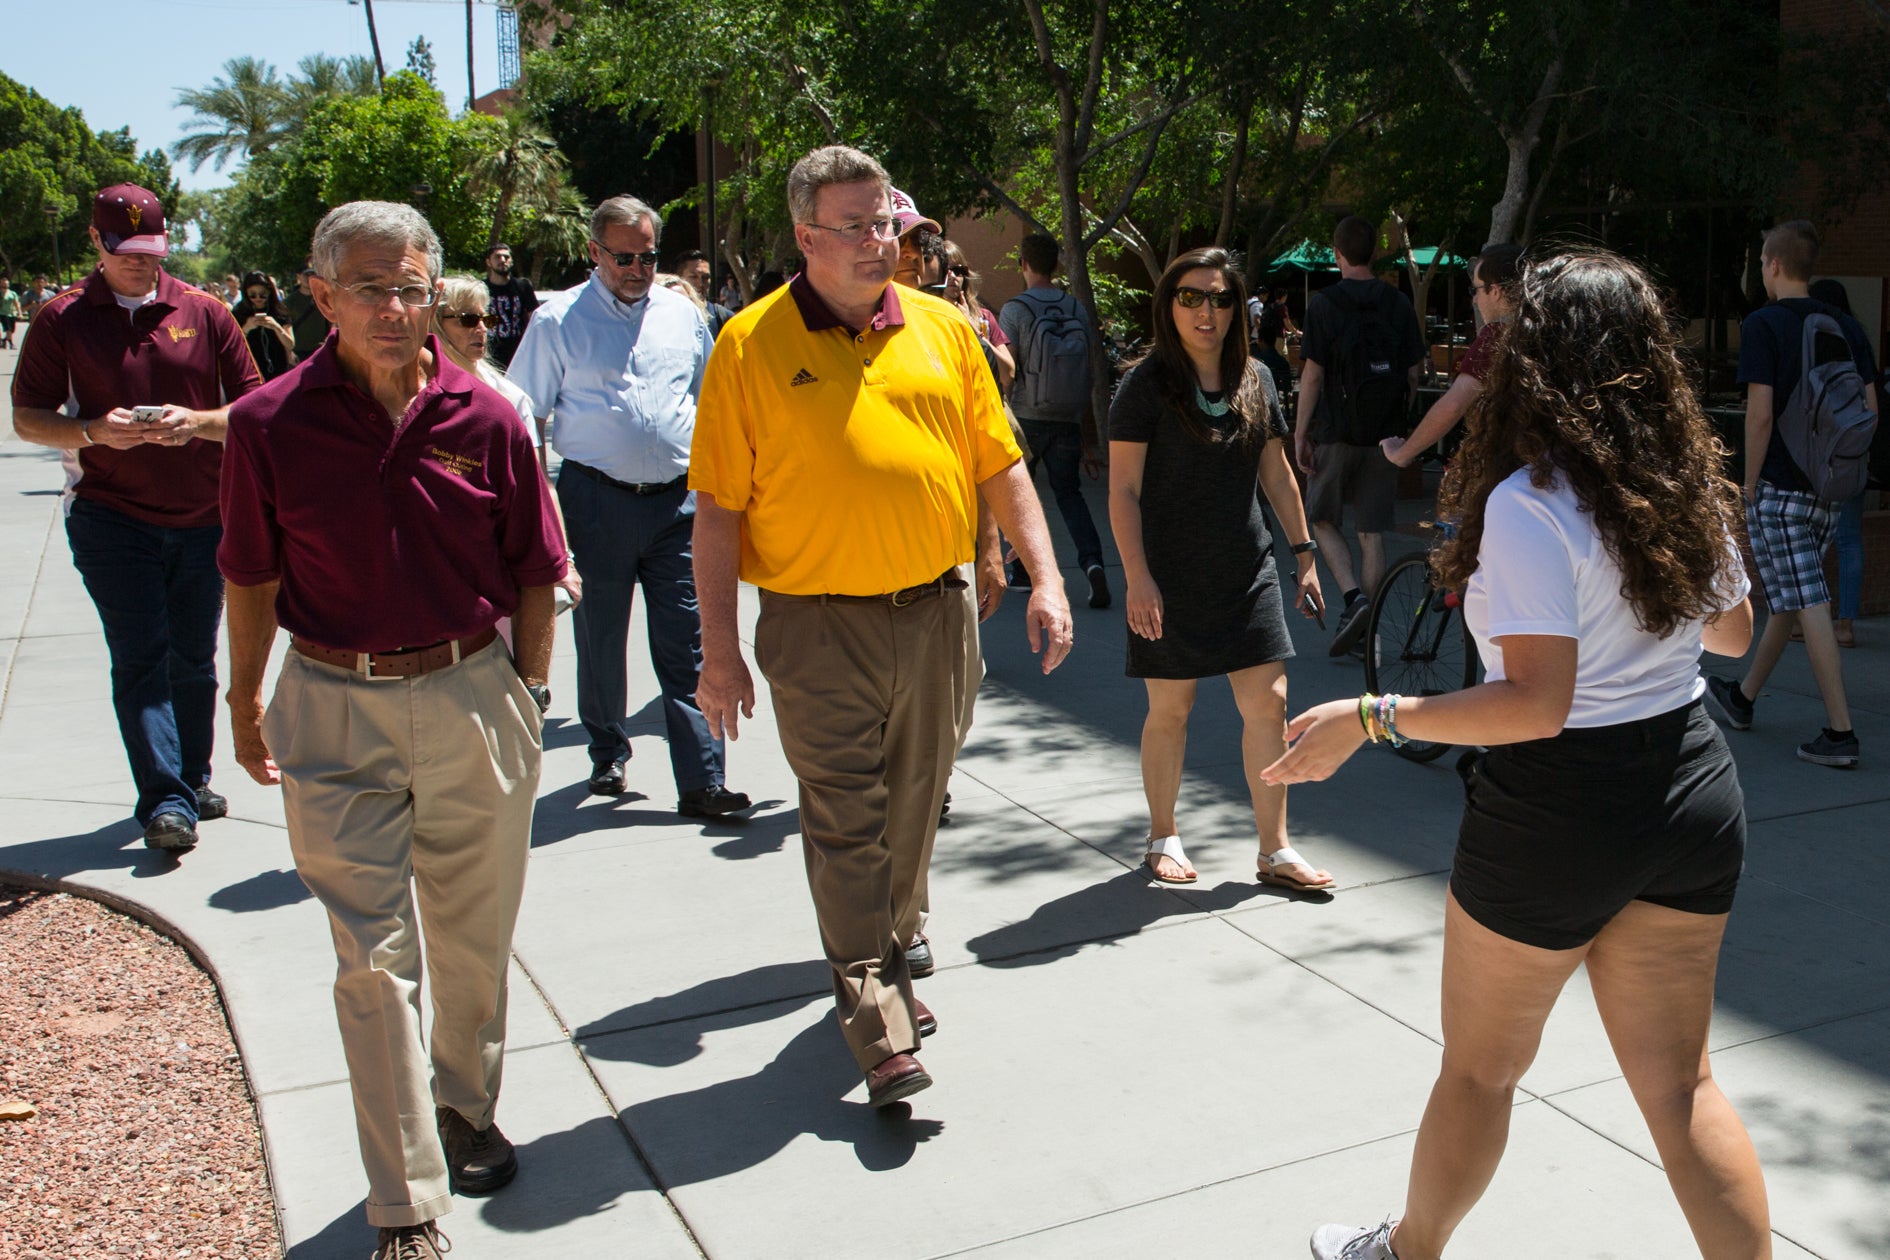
(499, 214)
(1230, 188)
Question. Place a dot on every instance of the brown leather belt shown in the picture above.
(946, 581)
(408, 663)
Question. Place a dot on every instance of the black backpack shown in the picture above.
(1368, 392)
(1053, 363)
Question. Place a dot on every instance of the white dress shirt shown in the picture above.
(621, 379)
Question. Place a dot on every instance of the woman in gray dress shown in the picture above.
(1196, 436)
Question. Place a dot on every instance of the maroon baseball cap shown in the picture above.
(130, 221)
(906, 214)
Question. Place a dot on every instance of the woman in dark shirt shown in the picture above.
(265, 324)
(1196, 434)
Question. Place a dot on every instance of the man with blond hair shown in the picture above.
(846, 430)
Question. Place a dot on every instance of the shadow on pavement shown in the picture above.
(734, 1125)
(347, 1237)
(1126, 903)
(106, 849)
(269, 890)
(729, 1002)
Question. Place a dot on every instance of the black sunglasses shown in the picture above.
(470, 320)
(647, 257)
(959, 270)
(1219, 299)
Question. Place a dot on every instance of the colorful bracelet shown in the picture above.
(1364, 715)
(1388, 719)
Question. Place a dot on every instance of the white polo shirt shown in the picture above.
(621, 379)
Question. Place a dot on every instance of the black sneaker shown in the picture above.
(478, 1161)
(1351, 626)
(711, 802)
(1098, 586)
(211, 805)
(1731, 701)
(170, 832)
(1831, 748)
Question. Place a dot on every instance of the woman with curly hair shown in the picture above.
(1196, 437)
(1596, 555)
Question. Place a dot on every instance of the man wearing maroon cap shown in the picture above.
(386, 508)
(131, 375)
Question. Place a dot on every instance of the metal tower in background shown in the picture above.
(508, 46)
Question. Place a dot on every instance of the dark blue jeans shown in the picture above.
(1058, 446)
(621, 539)
(160, 599)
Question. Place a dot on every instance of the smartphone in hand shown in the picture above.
(148, 414)
(1312, 608)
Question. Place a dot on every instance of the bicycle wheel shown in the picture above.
(1416, 643)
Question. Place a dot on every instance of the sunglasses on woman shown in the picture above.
(1219, 299)
(470, 320)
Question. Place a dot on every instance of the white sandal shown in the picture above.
(1269, 873)
(1167, 847)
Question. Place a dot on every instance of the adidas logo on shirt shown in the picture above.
(803, 377)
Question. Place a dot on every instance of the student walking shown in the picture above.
(1596, 551)
(1195, 438)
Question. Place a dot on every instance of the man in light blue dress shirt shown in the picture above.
(618, 362)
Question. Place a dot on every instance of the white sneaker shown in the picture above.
(1353, 1242)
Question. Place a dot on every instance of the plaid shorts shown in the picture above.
(1790, 530)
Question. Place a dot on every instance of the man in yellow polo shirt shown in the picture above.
(844, 432)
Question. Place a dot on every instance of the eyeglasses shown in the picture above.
(647, 257)
(469, 319)
(854, 233)
(960, 270)
(1476, 288)
(1219, 299)
(257, 297)
(370, 294)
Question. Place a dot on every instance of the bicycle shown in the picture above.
(1417, 642)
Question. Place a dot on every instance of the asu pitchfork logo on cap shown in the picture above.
(129, 220)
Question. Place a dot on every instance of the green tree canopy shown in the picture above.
(353, 148)
(51, 160)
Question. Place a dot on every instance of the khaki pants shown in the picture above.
(404, 794)
(870, 701)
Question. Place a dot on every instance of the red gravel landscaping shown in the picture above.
(145, 1141)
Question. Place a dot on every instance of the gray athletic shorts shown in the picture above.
(1357, 475)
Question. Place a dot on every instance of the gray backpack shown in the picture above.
(1827, 423)
(1053, 363)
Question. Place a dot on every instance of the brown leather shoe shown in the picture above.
(898, 1077)
(928, 1022)
(412, 1242)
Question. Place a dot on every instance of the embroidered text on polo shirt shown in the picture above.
(455, 463)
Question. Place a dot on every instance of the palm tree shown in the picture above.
(241, 114)
(319, 77)
(523, 163)
(556, 224)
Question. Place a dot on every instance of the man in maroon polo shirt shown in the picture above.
(386, 508)
(130, 375)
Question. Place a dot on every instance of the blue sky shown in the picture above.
(123, 61)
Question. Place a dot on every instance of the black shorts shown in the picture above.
(1560, 834)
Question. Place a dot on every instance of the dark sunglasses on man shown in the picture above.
(469, 320)
(1219, 299)
(647, 257)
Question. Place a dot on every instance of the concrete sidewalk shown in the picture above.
(1123, 1070)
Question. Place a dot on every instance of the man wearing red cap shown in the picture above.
(131, 374)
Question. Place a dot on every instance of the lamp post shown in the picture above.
(52, 226)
